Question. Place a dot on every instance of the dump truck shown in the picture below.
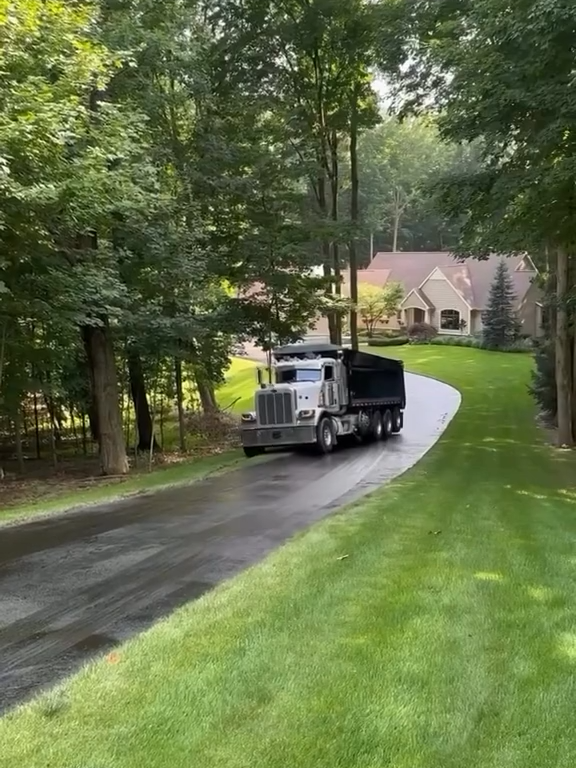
(320, 394)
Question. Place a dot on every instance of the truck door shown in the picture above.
(331, 387)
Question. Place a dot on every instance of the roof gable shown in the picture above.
(416, 298)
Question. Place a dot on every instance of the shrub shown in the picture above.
(218, 428)
(422, 332)
(381, 333)
(522, 345)
(543, 387)
(382, 341)
(458, 341)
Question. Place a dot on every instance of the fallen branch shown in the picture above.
(233, 403)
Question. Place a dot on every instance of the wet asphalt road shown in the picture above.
(75, 586)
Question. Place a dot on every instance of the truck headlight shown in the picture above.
(305, 414)
(248, 417)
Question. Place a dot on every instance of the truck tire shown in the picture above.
(251, 452)
(397, 421)
(377, 426)
(365, 427)
(388, 424)
(325, 437)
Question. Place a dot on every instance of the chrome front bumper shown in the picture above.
(268, 437)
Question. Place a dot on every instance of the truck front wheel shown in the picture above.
(325, 437)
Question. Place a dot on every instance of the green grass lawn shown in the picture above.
(235, 396)
(446, 638)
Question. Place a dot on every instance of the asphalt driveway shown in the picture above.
(76, 585)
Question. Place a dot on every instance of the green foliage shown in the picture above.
(501, 328)
(180, 189)
(378, 304)
(400, 160)
(543, 383)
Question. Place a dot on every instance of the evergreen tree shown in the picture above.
(501, 326)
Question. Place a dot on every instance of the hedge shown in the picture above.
(396, 341)
(523, 345)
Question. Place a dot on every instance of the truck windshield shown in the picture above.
(298, 374)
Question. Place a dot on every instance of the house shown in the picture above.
(449, 294)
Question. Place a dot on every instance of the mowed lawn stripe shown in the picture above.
(446, 637)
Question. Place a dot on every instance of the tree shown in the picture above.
(505, 77)
(376, 305)
(400, 160)
(501, 326)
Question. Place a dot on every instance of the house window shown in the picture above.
(449, 320)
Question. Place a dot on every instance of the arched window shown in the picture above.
(449, 320)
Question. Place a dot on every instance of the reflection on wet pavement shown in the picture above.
(74, 586)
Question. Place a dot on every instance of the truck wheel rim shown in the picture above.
(327, 435)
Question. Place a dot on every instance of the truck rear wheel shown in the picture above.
(325, 437)
(251, 452)
(388, 424)
(365, 431)
(377, 426)
(397, 421)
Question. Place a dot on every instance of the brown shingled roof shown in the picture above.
(471, 278)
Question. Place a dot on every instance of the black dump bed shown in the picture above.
(374, 380)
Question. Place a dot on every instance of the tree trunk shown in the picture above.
(93, 421)
(84, 435)
(93, 406)
(395, 233)
(140, 400)
(206, 391)
(55, 422)
(573, 399)
(53, 439)
(572, 341)
(180, 403)
(113, 458)
(334, 188)
(396, 224)
(37, 427)
(354, 216)
(326, 259)
(18, 439)
(563, 351)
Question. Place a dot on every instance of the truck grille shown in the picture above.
(274, 408)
